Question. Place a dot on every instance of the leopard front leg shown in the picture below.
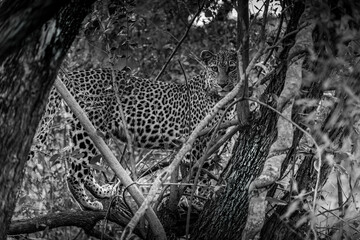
(77, 190)
(104, 191)
(80, 175)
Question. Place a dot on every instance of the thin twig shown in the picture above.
(125, 126)
(155, 167)
(199, 164)
(277, 35)
(220, 142)
(224, 125)
(106, 218)
(180, 42)
(133, 222)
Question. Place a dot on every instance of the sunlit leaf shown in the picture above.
(291, 209)
(301, 221)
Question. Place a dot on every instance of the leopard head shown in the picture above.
(220, 73)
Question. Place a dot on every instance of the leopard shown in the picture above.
(158, 114)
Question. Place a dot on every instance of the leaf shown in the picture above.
(341, 156)
(39, 167)
(77, 154)
(208, 13)
(97, 167)
(341, 169)
(295, 187)
(276, 201)
(291, 209)
(317, 165)
(76, 151)
(301, 221)
(54, 158)
(120, 64)
(23, 200)
(96, 159)
(101, 134)
(56, 162)
(41, 157)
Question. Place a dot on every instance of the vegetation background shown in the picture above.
(294, 180)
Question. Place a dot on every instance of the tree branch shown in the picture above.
(82, 219)
(120, 172)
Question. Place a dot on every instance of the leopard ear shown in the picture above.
(206, 56)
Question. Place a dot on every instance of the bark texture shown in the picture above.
(14, 30)
(27, 73)
(117, 213)
(224, 217)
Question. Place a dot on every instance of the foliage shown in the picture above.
(140, 35)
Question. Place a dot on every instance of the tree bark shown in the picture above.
(82, 219)
(224, 217)
(117, 213)
(243, 40)
(14, 30)
(26, 76)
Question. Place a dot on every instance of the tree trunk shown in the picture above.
(276, 228)
(26, 76)
(224, 217)
(14, 30)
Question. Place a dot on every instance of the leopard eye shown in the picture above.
(214, 68)
(232, 68)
